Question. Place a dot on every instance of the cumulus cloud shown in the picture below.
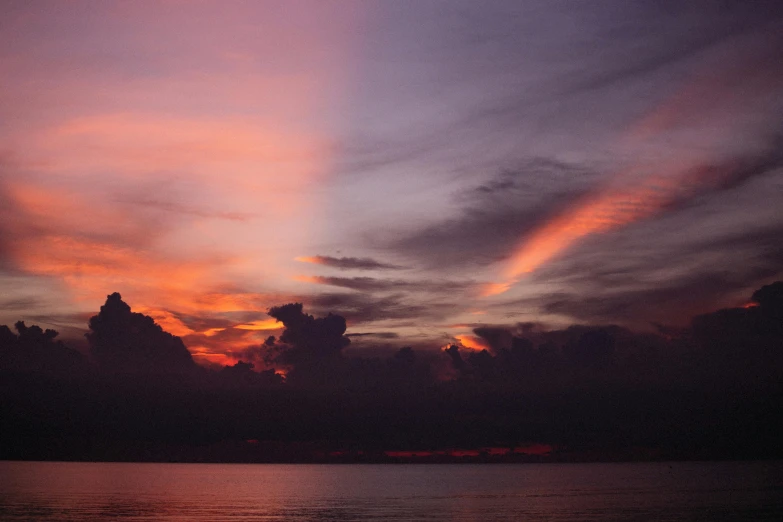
(33, 349)
(124, 341)
(309, 339)
(594, 377)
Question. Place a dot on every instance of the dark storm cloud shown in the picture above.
(492, 217)
(350, 263)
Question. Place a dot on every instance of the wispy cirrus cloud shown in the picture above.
(617, 207)
(495, 213)
(647, 187)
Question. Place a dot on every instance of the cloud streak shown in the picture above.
(371, 284)
(646, 188)
(441, 147)
(615, 208)
(348, 263)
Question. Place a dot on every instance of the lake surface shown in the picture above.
(271, 492)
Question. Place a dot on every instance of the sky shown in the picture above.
(419, 168)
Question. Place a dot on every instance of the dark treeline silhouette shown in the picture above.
(711, 390)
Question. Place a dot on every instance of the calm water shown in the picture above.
(554, 492)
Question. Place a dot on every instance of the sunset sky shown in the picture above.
(419, 168)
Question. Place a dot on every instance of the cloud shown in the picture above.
(491, 216)
(645, 189)
(627, 278)
(758, 320)
(689, 32)
(86, 245)
(92, 207)
(376, 335)
(89, 245)
(371, 284)
(125, 342)
(472, 343)
(20, 303)
(594, 377)
(495, 338)
(33, 349)
(607, 210)
(348, 263)
(220, 334)
(631, 228)
(770, 298)
(360, 308)
(308, 339)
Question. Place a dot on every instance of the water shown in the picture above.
(233, 492)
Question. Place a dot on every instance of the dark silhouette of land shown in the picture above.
(709, 391)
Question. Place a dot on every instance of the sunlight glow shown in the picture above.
(263, 324)
(472, 342)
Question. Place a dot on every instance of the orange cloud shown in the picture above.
(310, 279)
(262, 325)
(78, 252)
(316, 260)
(472, 342)
(211, 119)
(646, 188)
(140, 144)
(491, 289)
(599, 213)
(166, 320)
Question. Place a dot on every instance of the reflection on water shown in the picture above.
(555, 492)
